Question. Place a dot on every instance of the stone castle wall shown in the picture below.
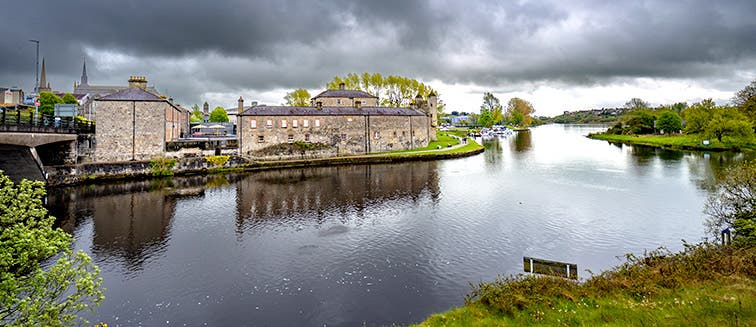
(348, 134)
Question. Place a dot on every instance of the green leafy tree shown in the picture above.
(669, 122)
(47, 101)
(68, 98)
(516, 118)
(30, 294)
(728, 121)
(745, 99)
(492, 105)
(697, 116)
(485, 119)
(639, 122)
(298, 98)
(733, 204)
(218, 115)
(394, 91)
(524, 108)
(196, 116)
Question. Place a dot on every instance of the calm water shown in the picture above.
(378, 244)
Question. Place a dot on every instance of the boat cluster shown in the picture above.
(493, 131)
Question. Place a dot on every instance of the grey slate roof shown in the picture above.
(330, 111)
(344, 94)
(131, 94)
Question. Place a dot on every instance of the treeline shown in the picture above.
(518, 113)
(597, 116)
(704, 118)
(392, 90)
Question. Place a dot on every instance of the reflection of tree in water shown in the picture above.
(706, 169)
(522, 141)
(493, 151)
(299, 196)
(642, 155)
(670, 155)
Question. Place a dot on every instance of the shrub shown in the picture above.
(217, 160)
(162, 166)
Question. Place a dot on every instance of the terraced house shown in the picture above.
(346, 121)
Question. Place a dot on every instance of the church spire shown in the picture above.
(84, 74)
(44, 86)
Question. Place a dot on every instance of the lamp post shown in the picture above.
(36, 74)
(36, 85)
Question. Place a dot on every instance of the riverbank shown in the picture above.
(703, 285)
(676, 142)
(89, 173)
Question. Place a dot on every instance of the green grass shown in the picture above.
(684, 142)
(705, 285)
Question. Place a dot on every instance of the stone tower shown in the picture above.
(44, 86)
(433, 114)
(84, 79)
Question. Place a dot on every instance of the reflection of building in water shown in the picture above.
(310, 192)
(129, 225)
(130, 219)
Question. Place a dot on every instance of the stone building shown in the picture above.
(347, 121)
(134, 124)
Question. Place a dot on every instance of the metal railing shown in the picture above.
(12, 120)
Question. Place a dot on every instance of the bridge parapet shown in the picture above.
(25, 121)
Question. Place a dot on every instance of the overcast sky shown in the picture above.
(560, 55)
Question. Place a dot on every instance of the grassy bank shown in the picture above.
(681, 142)
(705, 285)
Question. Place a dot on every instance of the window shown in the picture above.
(283, 123)
(294, 123)
(317, 122)
(269, 123)
(377, 135)
(291, 138)
(253, 123)
(343, 137)
(394, 133)
(260, 139)
(404, 133)
(307, 137)
(306, 123)
(338, 101)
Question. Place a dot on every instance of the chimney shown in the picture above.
(170, 100)
(138, 82)
(253, 103)
(341, 86)
(241, 105)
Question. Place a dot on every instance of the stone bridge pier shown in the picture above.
(25, 155)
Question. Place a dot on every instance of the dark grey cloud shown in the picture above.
(230, 46)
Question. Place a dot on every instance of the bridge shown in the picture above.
(28, 143)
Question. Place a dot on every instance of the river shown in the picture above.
(378, 244)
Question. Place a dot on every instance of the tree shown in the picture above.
(697, 116)
(218, 115)
(68, 98)
(745, 99)
(394, 91)
(524, 108)
(485, 119)
(637, 104)
(640, 122)
(669, 122)
(492, 106)
(298, 98)
(728, 121)
(31, 295)
(197, 116)
(733, 204)
(47, 102)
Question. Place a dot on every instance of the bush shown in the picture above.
(162, 166)
(733, 205)
(669, 122)
(217, 160)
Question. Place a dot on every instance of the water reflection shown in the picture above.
(522, 141)
(268, 197)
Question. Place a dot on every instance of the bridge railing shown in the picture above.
(26, 121)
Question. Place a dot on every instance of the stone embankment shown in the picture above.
(93, 172)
